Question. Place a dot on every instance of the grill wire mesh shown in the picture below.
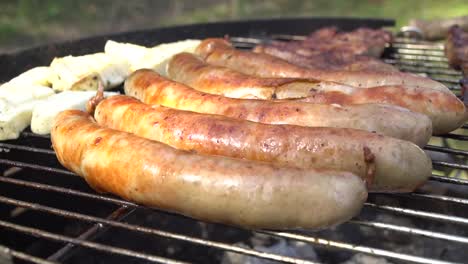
(43, 204)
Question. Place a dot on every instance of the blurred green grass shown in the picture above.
(401, 10)
(28, 22)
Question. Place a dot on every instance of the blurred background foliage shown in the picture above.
(25, 23)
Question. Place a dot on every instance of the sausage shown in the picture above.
(398, 165)
(151, 88)
(189, 69)
(220, 52)
(445, 110)
(211, 188)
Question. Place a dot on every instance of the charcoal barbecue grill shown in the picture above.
(48, 214)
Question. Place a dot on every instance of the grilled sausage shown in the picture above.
(445, 110)
(393, 121)
(212, 188)
(220, 52)
(189, 69)
(398, 165)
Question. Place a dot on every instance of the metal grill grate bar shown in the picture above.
(454, 136)
(45, 187)
(245, 40)
(440, 68)
(35, 167)
(356, 248)
(450, 165)
(287, 37)
(419, 58)
(27, 148)
(419, 213)
(118, 214)
(416, 41)
(430, 47)
(438, 197)
(447, 150)
(449, 180)
(31, 134)
(92, 245)
(446, 80)
(427, 52)
(408, 66)
(412, 231)
(23, 256)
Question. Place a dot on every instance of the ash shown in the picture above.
(280, 246)
(365, 259)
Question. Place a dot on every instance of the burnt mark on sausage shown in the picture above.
(97, 141)
(369, 158)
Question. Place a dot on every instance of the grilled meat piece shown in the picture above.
(328, 60)
(362, 41)
(438, 28)
(328, 49)
(456, 49)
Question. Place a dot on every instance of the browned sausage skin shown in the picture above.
(445, 110)
(220, 52)
(189, 69)
(393, 121)
(211, 188)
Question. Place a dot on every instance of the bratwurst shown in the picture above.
(398, 165)
(151, 88)
(445, 110)
(191, 70)
(220, 52)
(212, 188)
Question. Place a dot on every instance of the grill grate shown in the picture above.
(34, 181)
